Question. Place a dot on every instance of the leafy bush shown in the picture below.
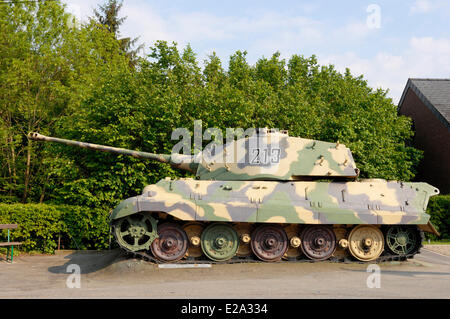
(41, 224)
(439, 209)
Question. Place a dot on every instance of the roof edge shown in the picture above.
(405, 90)
(423, 98)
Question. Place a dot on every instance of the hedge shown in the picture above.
(40, 226)
(439, 209)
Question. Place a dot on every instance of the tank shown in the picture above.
(269, 197)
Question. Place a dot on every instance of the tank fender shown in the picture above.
(184, 210)
(126, 207)
(429, 228)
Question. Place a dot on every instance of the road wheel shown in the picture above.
(172, 243)
(366, 242)
(219, 242)
(269, 242)
(318, 242)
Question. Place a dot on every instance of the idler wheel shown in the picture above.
(366, 242)
(318, 242)
(403, 240)
(172, 243)
(269, 242)
(136, 232)
(219, 242)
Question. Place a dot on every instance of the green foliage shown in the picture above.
(41, 224)
(139, 110)
(108, 17)
(47, 68)
(439, 210)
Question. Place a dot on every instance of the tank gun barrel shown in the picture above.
(177, 160)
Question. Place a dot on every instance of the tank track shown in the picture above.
(385, 257)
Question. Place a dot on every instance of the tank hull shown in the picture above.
(317, 220)
(366, 202)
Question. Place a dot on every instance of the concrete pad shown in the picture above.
(110, 274)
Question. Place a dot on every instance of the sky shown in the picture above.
(385, 41)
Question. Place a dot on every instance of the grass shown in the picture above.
(437, 242)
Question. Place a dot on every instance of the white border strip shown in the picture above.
(172, 266)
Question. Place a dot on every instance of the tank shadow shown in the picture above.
(90, 261)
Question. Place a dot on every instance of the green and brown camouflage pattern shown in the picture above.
(265, 156)
(376, 202)
(177, 160)
(234, 185)
(277, 156)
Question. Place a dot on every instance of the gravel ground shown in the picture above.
(440, 249)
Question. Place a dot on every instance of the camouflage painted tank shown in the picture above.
(269, 196)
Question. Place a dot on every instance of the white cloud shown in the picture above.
(421, 6)
(424, 57)
(264, 33)
(352, 31)
(204, 26)
(427, 6)
(274, 31)
(82, 9)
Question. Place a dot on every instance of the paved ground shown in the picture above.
(440, 249)
(110, 275)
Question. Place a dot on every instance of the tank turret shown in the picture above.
(274, 155)
(266, 155)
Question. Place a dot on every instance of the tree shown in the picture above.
(109, 17)
(46, 69)
(140, 110)
(76, 83)
(32, 76)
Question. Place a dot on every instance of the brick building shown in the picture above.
(427, 102)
